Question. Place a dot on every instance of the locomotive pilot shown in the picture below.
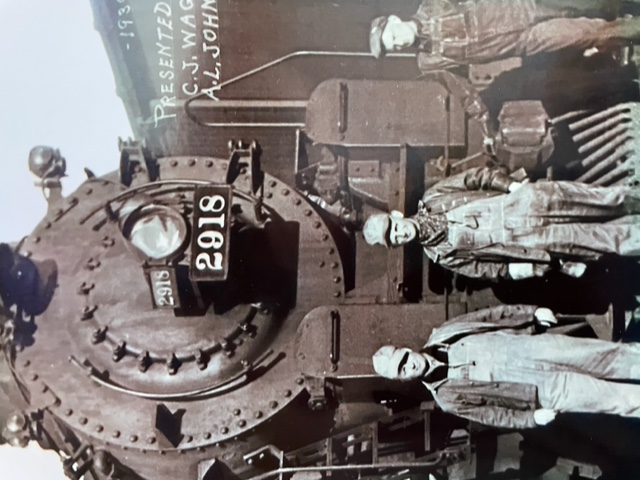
(483, 224)
(447, 33)
(491, 367)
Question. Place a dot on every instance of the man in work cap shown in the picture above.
(494, 367)
(448, 33)
(483, 224)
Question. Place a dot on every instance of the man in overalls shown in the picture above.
(483, 224)
(448, 33)
(493, 367)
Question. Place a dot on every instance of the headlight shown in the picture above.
(157, 231)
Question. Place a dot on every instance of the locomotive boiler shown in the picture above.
(205, 316)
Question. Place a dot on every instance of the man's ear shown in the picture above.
(396, 214)
(393, 19)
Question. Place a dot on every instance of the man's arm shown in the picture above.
(462, 90)
(493, 269)
(477, 178)
(499, 417)
(579, 33)
(520, 319)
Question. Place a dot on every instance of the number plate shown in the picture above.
(210, 233)
(164, 287)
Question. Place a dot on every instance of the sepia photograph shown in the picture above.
(320, 239)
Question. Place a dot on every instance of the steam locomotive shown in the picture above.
(209, 316)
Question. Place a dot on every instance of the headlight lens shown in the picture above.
(156, 231)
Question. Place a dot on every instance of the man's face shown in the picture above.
(411, 365)
(401, 231)
(398, 34)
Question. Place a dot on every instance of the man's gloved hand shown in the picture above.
(573, 269)
(545, 317)
(544, 416)
(517, 185)
(488, 135)
(489, 145)
(519, 271)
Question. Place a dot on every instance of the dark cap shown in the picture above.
(375, 36)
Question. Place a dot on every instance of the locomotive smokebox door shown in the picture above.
(384, 113)
(210, 233)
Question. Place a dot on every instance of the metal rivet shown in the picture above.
(19, 347)
(36, 240)
(99, 428)
(47, 225)
(317, 224)
(243, 171)
(87, 312)
(119, 351)
(335, 265)
(27, 254)
(98, 335)
(188, 438)
(285, 191)
(85, 288)
(133, 438)
(273, 404)
(208, 163)
(337, 294)
(116, 434)
(68, 412)
(321, 264)
(191, 162)
(297, 201)
(300, 380)
(89, 191)
(258, 414)
(332, 251)
(83, 420)
(272, 183)
(207, 436)
(44, 389)
(173, 364)
(287, 393)
(325, 237)
(144, 361)
(241, 423)
(308, 212)
(224, 430)
(333, 367)
(336, 279)
(269, 195)
(236, 412)
(173, 163)
(34, 377)
(26, 363)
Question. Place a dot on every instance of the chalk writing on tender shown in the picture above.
(165, 107)
(125, 23)
(192, 36)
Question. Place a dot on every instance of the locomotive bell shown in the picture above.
(46, 162)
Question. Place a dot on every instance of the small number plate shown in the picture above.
(210, 233)
(164, 287)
